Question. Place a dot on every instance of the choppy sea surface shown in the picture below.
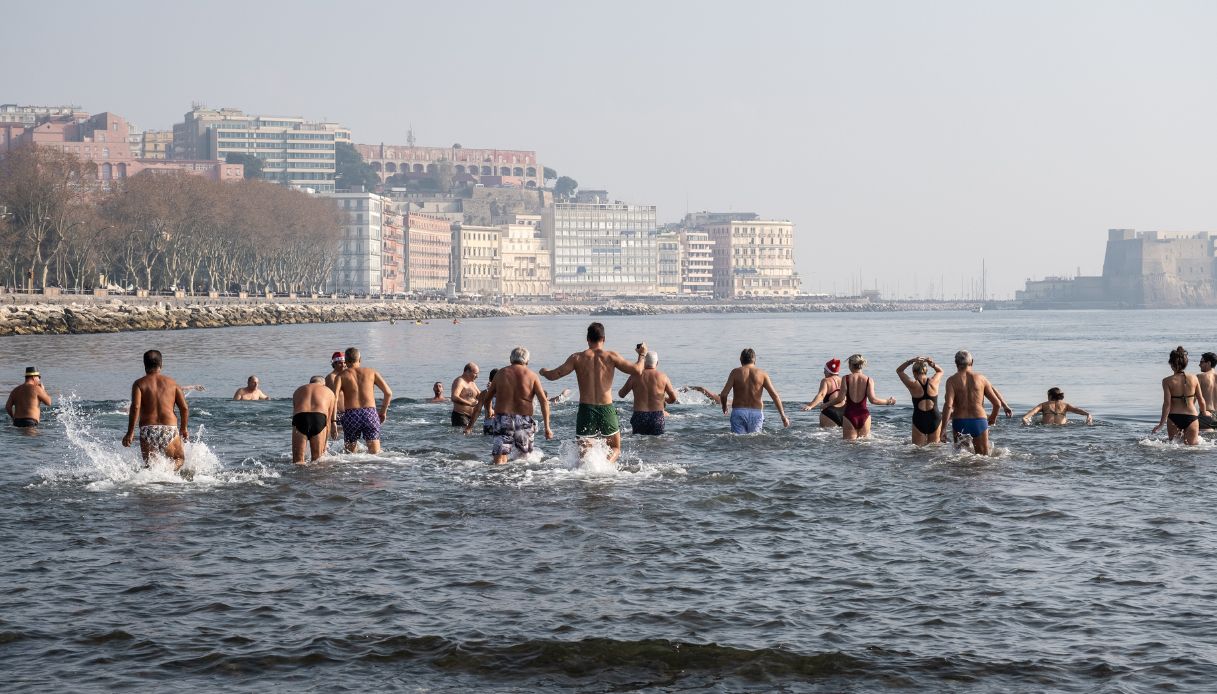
(1075, 559)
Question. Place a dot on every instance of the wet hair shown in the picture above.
(1178, 358)
(856, 362)
(651, 360)
(1056, 394)
(317, 379)
(920, 367)
(1210, 357)
(963, 358)
(352, 355)
(492, 373)
(520, 355)
(748, 356)
(152, 359)
(437, 387)
(595, 332)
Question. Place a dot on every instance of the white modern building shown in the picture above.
(359, 265)
(696, 263)
(668, 263)
(603, 248)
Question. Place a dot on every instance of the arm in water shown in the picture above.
(132, 415)
(777, 401)
(1034, 411)
(1078, 410)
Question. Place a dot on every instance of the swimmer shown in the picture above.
(1208, 388)
(465, 393)
(337, 366)
(251, 391)
(1054, 411)
(713, 397)
(652, 389)
(1182, 401)
(747, 406)
(437, 394)
(830, 385)
(24, 405)
(153, 398)
(195, 387)
(964, 405)
(360, 419)
(561, 397)
(313, 408)
(927, 420)
(594, 367)
(856, 389)
(514, 388)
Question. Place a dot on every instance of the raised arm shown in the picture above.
(43, 396)
(1078, 410)
(1166, 406)
(626, 387)
(900, 371)
(624, 366)
(183, 410)
(777, 401)
(564, 370)
(386, 394)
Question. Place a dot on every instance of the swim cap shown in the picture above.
(337, 358)
(832, 366)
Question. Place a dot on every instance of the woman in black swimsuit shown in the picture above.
(927, 420)
(1182, 401)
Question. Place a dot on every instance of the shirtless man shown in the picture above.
(513, 389)
(312, 419)
(747, 408)
(652, 389)
(251, 391)
(465, 396)
(1208, 388)
(964, 406)
(356, 390)
(25, 402)
(337, 366)
(153, 398)
(593, 368)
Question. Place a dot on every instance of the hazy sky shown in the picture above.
(907, 141)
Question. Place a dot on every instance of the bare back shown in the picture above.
(594, 370)
(1182, 389)
(313, 397)
(516, 389)
(747, 387)
(1208, 386)
(331, 382)
(358, 387)
(155, 395)
(967, 390)
(27, 399)
(651, 389)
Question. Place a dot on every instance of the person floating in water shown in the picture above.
(594, 367)
(1055, 410)
(1207, 378)
(465, 393)
(356, 388)
(712, 397)
(652, 389)
(24, 405)
(514, 389)
(856, 389)
(1182, 401)
(560, 397)
(153, 398)
(927, 421)
(437, 394)
(830, 385)
(250, 391)
(749, 383)
(313, 407)
(964, 405)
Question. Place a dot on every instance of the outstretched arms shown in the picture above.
(564, 370)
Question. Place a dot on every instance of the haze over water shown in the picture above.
(1076, 559)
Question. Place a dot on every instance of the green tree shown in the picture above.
(549, 174)
(252, 164)
(352, 170)
(565, 187)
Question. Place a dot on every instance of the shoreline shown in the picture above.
(114, 315)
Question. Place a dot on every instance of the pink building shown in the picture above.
(492, 167)
(103, 139)
(427, 250)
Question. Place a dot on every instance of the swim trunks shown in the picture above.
(596, 420)
(512, 431)
(1181, 421)
(926, 421)
(1207, 422)
(363, 421)
(648, 423)
(970, 427)
(836, 414)
(746, 420)
(460, 419)
(25, 422)
(157, 436)
(487, 426)
(309, 423)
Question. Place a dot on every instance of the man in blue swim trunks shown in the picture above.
(749, 384)
(964, 405)
(652, 389)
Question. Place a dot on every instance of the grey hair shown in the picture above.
(519, 355)
(317, 379)
(856, 361)
(963, 358)
(651, 360)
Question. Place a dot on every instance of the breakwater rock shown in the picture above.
(120, 316)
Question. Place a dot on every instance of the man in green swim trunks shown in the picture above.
(594, 368)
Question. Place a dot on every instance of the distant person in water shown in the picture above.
(251, 391)
(711, 396)
(24, 405)
(313, 413)
(337, 366)
(927, 421)
(514, 389)
(1208, 388)
(1182, 401)
(1054, 411)
(856, 390)
(652, 389)
(153, 398)
(437, 394)
(560, 397)
(964, 405)
(594, 368)
(465, 394)
(749, 384)
(830, 385)
(357, 386)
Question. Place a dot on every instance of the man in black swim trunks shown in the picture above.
(652, 390)
(465, 393)
(25, 402)
(313, 406)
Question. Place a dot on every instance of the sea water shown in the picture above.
(1073, 559)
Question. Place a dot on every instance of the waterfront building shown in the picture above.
(393, 250)
(602, 248)
(427, 252)
(526, 258)
(696, 263)
(477, 265)
(753, 258)
(668, 263)
(489, 167)
(294, 152)
(358, 269)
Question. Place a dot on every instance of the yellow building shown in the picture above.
(477, 267)
(526, 259)
(753, 258)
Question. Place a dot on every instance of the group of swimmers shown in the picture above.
(347, 397)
